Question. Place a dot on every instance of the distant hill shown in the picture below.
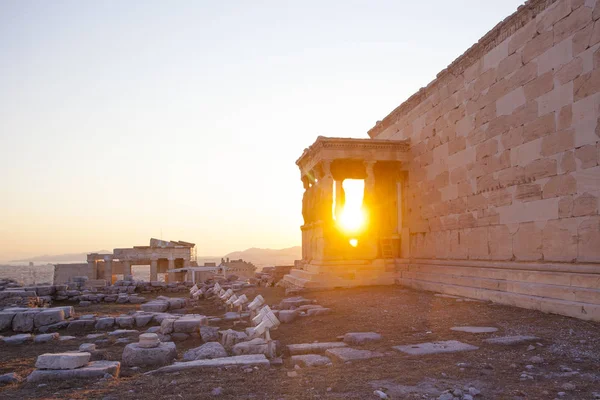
(258, 257)
(268, 257)
(72, 257)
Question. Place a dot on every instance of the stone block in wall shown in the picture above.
(542, 168)
(524, 75)
(488, 217)
(509, 65)
(586, 204)
(559, 185)
(493, 58)
(522, 36)
(555, 57)
(581, 39)
(589, 240)
(588, 180)
(527, 242)
(555, 100)
(477, 240)
(551, 15)
(457, 245)
(539, 86)
(510, 101)
(512, 138)
(567, 162)
(500, 243)
(559, 240)
(542, 126)
(558, 142)
(571, 24)
(587, 156)
(528, 192)
(524, 154)
(538, 210)
(586, 84)
(538, 45)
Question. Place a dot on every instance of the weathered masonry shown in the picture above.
(498, 182)
(162, 256)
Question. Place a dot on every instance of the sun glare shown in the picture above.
(353, 242)
(352, 217)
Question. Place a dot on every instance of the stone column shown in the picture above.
(126, 268)
(171, 275)
(154, 269)
(370, 179)
(325, 185)
(340, 198)
(108, 269)
(92, 272)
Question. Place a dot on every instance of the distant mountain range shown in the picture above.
(259, 257)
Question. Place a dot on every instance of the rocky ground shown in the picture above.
(563, 363)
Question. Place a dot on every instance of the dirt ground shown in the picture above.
(570, 350)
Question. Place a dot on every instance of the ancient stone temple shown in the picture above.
(483, 184)
(167, 257)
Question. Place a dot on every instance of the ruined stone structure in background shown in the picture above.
(162, 257)
(497, 175)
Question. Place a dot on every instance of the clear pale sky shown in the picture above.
(120, 120)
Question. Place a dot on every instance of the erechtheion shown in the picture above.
(485, 183)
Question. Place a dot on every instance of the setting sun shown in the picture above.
(352, 217)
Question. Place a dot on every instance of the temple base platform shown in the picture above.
(341, 274)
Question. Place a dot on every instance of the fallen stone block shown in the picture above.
(142, 320)
(295, 302)
(123, 333)
(254, 346)
(230, 338)
(189, 323)
(310, 360)
(62, 360)
(68, 310)
(313, 348)
(49, 317)
(6, 318)
(104, 323)
(135, 355)
(125, 322)
(248, 360)
(510, 340)
(179, 336)
(66, 338)
(94, 370)
(24, 321)
(11, 377)
(474, 329)
(54, 327)
(155, 306)
(313, 312)
(46, 337)
(349, 354)
(209, 333)
(287, 316)
(18, 339)
(80, 326)
(208, 350)
(167, 326)
(448, 346)
(359, 338)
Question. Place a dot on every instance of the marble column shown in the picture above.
(340, 198)
(325, 185)
(126, 268)
(92, 272)
(108, 272)
(154, 270)
(171, 275)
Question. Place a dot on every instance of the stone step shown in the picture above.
(587, 311)
(562, 278)
(568, 293)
